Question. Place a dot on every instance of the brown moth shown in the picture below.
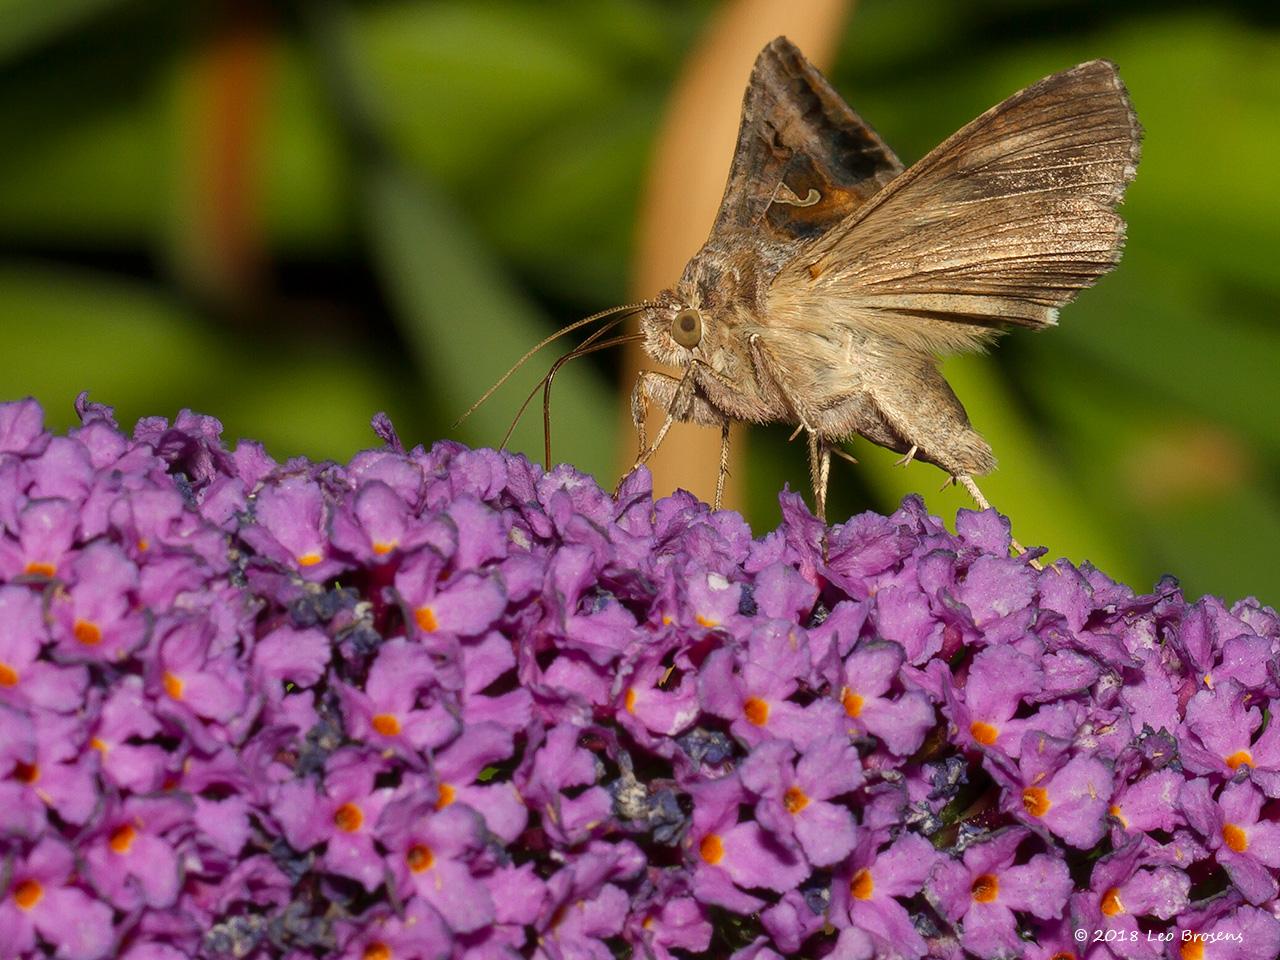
(833, 279)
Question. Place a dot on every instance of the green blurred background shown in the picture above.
(292, 215)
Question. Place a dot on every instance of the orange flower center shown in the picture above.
(40, 568)
(28, 893)
(382, 549)
(1191, 950)
(629, 701)
(426, 619)
(756, 710)
(376, 951)
(447, 794)
(711, 849)
(122, 838)
(706, 621)
(1110, 904)
(419, 857)
(795, 800)
(986, 888)
(862, 886)
(310, 559)
(173, 685)
(852, 703)
(984, 733)
(87, 632)
(1116, 812)
(348, 817)
(386, 724)
(1235, 838)
(27, 773)
(1035, 800)
(1239, 757)
(8, 675)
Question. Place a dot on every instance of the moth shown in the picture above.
(834, 279)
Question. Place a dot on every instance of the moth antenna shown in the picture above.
(580, 351)
(551, 375)
(538, 386)
(577, 324)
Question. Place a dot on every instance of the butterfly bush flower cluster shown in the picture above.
(443, 704)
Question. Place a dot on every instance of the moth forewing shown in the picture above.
(804, 159)
(1000, 225)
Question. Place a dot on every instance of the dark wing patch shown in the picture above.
(804, 160)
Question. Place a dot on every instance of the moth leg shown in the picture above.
(662, 389)
(657, 441)
(647, 385)
(724, 463)
(820, 471)
(907, 457)
(966, 481)
(844, 455)
(659, 388)
(683, 405)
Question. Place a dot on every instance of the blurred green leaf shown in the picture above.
(1164, 330)
(1188, 496)
(100, 145)
(27, 23)
(538, 117)
(1206, 185)
(84, 156)
(145, 354)
(466, 324)
(318, 404)
(582, 196)
(881, 35)
(69, 331)
(306, 181)
(462, 81)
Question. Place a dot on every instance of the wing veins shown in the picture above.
(1000, 225)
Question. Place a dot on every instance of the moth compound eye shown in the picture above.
(686, 328)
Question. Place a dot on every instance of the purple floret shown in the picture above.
(443, 704)
(985, 889)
